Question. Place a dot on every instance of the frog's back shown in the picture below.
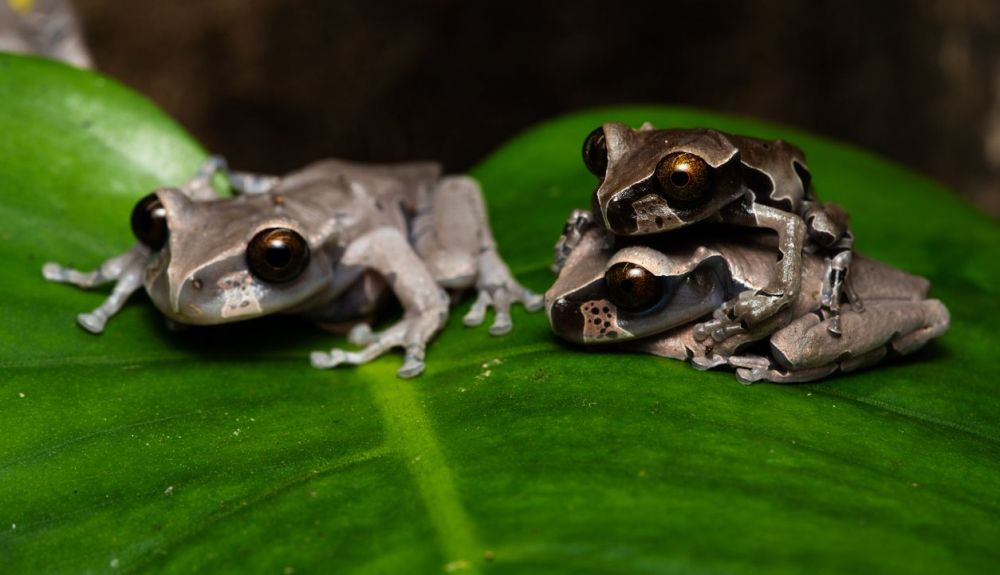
(776, 171)
(386, 182)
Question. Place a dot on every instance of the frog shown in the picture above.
(330, 242)
(659, 181)
(650, 297)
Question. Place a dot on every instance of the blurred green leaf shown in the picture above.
(221, 450)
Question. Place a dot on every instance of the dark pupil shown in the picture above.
(278, 255)
(679, 178)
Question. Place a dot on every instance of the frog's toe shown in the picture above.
(327, 360)
(92, 322)
(411, 368)
(477, 313)
(53, 272)
(502, 323)
(361, 334)
(532, 301)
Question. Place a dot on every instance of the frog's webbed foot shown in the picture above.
(740, 316)
(498, 289)
(124, 270)
(416, 331)
(576, 226)
(425, 303)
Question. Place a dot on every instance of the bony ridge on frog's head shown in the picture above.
(236, 261)
(658, 180)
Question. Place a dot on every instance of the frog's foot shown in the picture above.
(498, 288)
(837, 286)
(740, 315)
(411, 334)
(124, 270)
(574, 230)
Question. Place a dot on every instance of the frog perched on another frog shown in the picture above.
(655, 181)
(650, 296)
(326, 242)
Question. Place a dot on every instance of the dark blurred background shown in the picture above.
(274, 84)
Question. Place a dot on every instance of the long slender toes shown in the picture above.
(92, 322)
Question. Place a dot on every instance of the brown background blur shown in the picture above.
(274, 84)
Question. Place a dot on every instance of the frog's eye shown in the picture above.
(277, 255)
(595, 153)
(633, 287)
(149, 222)
(683, 177)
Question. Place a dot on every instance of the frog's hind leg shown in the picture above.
(806, 349)
(124, 270)
(452, 234)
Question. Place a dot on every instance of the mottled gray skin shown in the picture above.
(44, 27)
(706, 269)
(370, 229)
(756, 183)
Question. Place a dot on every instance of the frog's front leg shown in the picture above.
(242, 183)
(452, 234)
(747, 311)
(425, 304)
(577, 224)
(125, 270)
(827, 227)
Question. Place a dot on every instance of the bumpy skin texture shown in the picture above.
(44, 27)
(693, 271)
(361, 231)
(658, 181)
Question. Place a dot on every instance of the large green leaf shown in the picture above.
(220, 449)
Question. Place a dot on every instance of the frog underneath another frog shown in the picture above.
(658, 181)
(651, 296)
(326, 242)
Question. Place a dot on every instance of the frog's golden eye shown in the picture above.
(149, 222)
(633, 287)
(595, 153)
(277, 255)
(683, 177)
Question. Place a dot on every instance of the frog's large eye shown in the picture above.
(595, 153)
(277, 255)
(683, 177)
(149, 222)
(633, 287)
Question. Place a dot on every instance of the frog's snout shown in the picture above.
(621, 215)
(565, 318)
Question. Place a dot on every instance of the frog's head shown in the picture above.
(224, 260)
(660, 180)
(606, 296)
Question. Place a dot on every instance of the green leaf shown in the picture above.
(221, 450)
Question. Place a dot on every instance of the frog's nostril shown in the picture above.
(621, 216)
